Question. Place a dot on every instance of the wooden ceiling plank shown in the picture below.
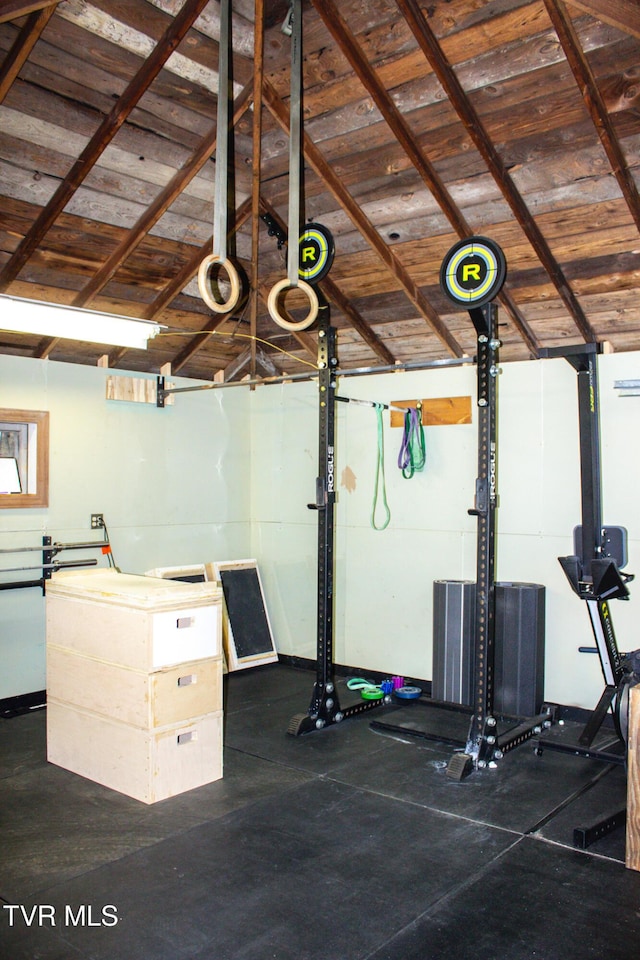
(474, 126)
(399, 127)
(12, 9)
(357, 321)
(177, 283)
(588, 87)
(401, 130)
(416, 87)
(107, 130)
(364, 225)
(158, 207)
(24, 44)
(623, 14)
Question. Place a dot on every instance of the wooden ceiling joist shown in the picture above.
(158, 207)
(24, 44)
(396, 155)
(622, 14)
(594, 103)
(401, 130)
(476, 130)
(98, 143)
(12, 9)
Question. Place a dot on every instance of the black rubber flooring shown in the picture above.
(345, 844)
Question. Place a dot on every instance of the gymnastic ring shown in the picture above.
(276, 316)
(205, 288)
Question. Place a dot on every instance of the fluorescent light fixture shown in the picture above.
(73, 323)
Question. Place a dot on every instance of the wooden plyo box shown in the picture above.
(148, 765)
(137, 622)
(134, 682)
(145, 700)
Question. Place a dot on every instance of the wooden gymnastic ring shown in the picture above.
(276, 316)
(205, 287)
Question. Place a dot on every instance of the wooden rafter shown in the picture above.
(12, 9)
(174, 34)
(622, 14)
(404, 168)
(333, 183)
(475, 128)
(24, 44)
(158, 207)
(576, 59)
(401, 130)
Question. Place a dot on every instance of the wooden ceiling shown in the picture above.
(424, 123)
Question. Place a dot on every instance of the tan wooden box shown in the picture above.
(146, 765)
(146, 700)
(136, 622)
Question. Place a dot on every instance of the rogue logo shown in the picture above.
(330, 476)
(315, 253)
(492, 472)
(473, 272)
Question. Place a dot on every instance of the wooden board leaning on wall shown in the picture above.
(439, 411)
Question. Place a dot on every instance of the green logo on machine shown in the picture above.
(473, 272)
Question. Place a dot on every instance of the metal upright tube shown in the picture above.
(325, 505)
(590, 486)
(483, 722)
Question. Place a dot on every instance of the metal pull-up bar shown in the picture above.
(375, 404)
(49, 565)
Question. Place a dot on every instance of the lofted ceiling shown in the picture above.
(424, 123)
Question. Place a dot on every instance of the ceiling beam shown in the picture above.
(245, 359)
(335, 186)
(594, 103)
(475, 128)
(158, 206)
(622, 14)
(12, 9)
(401, 130)
(23, 45)
(174, 34)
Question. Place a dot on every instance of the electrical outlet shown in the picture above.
(97, 521)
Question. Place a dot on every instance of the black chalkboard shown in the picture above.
(247, 616)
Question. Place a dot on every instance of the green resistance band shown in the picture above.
(380, 482)
(368, 691)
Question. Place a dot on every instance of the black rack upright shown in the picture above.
(594, 569)
(325, 708)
